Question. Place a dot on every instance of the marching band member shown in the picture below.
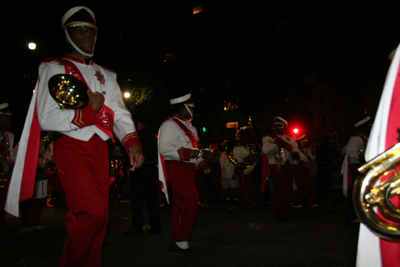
(241, 151)
(302, 173)
(372, 250)
(178, 158)
(280, 150)
(353, 159)
(81, 151)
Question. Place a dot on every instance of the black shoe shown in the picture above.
(154, 231)
(132, 232)
(173, 247)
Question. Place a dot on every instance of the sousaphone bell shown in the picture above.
(68, 91)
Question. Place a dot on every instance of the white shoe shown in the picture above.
(182, 244)
(297, 206)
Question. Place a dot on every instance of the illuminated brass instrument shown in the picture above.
(371, 195)
(251, 159)
(68, 91)
(280, 159)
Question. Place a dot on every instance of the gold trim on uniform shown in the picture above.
(78, 119)
(128, 137)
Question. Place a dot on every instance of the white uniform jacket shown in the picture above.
(354, 146)
(174, 144)
(45, 114)
(269, 148)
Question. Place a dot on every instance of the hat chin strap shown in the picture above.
(188, 109)
(77, 48)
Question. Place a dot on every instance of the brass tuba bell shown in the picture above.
(68, 91)
(370, 194)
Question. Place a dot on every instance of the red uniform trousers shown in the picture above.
(284, 188)
(245, 188)
(185, 201)
(83, 168)
(3, 196)
(304, 185)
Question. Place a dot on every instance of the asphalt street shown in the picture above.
(222, 237)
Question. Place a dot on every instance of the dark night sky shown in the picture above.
(235, 41)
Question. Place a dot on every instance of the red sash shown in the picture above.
(287, 146)
(105, 116)
(188, 133)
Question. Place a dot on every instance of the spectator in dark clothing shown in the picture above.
(329, 158)
(143, 184)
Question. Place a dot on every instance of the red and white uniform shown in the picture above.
(303, 177)
(373, 251)
(284, 178)
(245, 180)
(81, 154)
(351, 162)
(176, 137)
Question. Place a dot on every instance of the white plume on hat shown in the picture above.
(3, 106)
(281, 119)
(363, 121)
(180, 99)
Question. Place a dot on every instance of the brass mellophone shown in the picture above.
(371, 195)
(68, 91)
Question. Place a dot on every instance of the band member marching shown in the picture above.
(280, 150)
(302, 173)
(81, 151)
(244, 160)
(374, 251)
(178, 157)
(353, 159)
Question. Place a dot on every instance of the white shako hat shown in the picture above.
(280, 119)
(79, 16)
(363, 121)
(182, 99)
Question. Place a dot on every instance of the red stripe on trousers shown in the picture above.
(84, 173)
(185, 198)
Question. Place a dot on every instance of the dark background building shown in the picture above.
(319, 64)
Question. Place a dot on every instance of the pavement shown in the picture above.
(222, 237)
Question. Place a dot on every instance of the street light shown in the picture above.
(127, 95)
(32, 46)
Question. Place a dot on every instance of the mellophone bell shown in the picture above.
(68, 91)
(371, 194)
